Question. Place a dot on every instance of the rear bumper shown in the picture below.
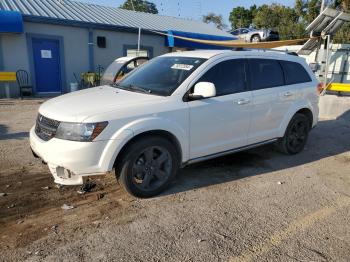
(272, 38)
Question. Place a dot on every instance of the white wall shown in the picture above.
(116, 42)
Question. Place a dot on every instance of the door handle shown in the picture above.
(288, 94)
(242, 102)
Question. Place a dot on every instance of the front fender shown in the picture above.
(158, 123)
(139, 126)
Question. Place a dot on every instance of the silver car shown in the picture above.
(255, 35)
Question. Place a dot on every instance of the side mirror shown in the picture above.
(203, 90)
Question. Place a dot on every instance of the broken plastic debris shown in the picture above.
(67, 207)
(87, 187)
(45, 188)
(3, 194)
(11, 206)
(280, 183)
(100, 196)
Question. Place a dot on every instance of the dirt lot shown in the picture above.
(252, 206)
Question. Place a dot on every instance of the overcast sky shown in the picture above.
(194, 9)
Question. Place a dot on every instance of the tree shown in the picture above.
(217, 20)
(283, 19)
(343, 35)
(242, 17)
(300, 8)
(313, 10)
(140, 6)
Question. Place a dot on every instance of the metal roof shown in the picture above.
(75, 12)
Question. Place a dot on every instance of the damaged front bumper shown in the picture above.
(69, 162)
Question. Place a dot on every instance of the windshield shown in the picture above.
(162, 75)
(111, 71)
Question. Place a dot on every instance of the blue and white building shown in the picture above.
(53, 39)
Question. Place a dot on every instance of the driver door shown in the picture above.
(222, 122)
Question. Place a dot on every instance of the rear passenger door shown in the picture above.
(266, 83)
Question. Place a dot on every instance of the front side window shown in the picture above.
(295, 73)
(161, 75)
(236, 32)
(265, 73)
(229, 77)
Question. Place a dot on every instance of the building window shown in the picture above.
(101, 42)
(134, 53)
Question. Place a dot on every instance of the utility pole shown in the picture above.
(132, 3)
(322, 6)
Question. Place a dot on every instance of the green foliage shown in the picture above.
(283, 19)
(140, 6)
(242, 17)
(217, 20)
(289, 22)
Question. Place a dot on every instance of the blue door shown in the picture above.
(46, 53)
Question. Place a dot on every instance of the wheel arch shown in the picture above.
(156, 132)
(255, 34)
(302, 109)
(308, 113)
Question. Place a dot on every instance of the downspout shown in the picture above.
(2, 65)
(91, 51)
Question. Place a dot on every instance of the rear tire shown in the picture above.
(147, 166)
(296, 135)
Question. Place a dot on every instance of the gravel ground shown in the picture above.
(253, 206)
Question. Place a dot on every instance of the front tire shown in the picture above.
(148, 166)
(296, 135)
(255, 39)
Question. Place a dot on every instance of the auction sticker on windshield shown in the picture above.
(182, 67)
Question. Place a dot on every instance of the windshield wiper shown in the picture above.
(135, 88)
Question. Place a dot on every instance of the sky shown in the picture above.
(194, 9)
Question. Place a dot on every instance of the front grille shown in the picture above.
(46, 128)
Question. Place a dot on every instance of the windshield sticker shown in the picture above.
(182, 67)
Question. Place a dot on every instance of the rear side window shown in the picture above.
(229, 77)
(265, 73)
(295, 73)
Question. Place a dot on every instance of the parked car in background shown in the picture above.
(177, 109)
(256, 35)
(120, 68)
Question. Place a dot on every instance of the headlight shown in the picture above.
(83, 132)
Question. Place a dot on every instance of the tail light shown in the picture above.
(320, 87)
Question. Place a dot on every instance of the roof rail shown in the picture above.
(287, 52)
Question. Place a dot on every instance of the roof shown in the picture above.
(207, 54)
(199, 53)
(77, 13)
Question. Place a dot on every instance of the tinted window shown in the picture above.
(265, 73)
(228, 77)
(295, 73)
(236, 32)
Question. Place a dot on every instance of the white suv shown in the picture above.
(175, 110)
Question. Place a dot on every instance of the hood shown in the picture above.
(77, 106)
